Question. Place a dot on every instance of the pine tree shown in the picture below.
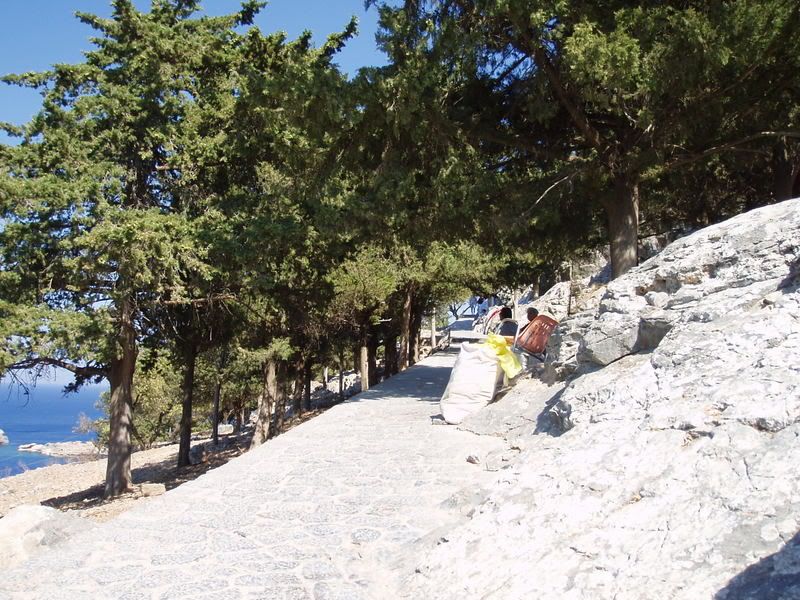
(600, 99)
(96, 240)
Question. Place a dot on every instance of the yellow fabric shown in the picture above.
(507, 359)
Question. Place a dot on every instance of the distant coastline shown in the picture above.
(76, 450)
(44, 418)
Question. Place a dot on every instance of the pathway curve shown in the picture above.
(316, 513)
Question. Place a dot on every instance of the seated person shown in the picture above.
(507, 325)
(531, 313)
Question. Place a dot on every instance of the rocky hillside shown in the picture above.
(661, 461)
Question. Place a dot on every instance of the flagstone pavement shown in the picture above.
(316, 513)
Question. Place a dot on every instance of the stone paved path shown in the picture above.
(317, 513)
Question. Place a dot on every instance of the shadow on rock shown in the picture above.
(776, 577)
(555, 417)
(791, 283)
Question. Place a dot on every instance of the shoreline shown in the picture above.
(70, 450)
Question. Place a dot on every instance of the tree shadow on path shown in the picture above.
(163, 471)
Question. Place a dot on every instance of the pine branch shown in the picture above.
(578, 116)
(554, 185)
(85, 372)
(727, 146)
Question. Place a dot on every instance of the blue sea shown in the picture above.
(46, 415)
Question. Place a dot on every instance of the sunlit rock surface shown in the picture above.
(662, 463)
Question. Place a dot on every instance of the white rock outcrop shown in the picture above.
(665, 466)
(64, 449)
(589, 277)
(3, 438)
(554, 302)
(27, 529)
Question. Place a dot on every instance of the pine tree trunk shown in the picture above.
(405, 330)
(308, 377)
(341, 375)
(297, 392)
(280, 401)
(433, 330)
(186, 407)
(454, 309)
(269, 381)
(372, 360)
(241, 416)
(416, 329)
(547, 279)
(786, 171)
(623, 225)
(223, 359)
(118, 467)
(390, 349)
(363, 361)
(215, 413)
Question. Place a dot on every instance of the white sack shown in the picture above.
(473, 382)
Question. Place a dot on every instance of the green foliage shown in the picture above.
(572, 105)
(156, 406)
(450, 272)
(107, 235)
(97, 215)
(362, 285)
(156, 410)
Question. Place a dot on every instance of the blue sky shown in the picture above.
(39, 33)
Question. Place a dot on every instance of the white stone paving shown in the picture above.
(317, 513)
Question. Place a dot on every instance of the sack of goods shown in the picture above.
(476, 377)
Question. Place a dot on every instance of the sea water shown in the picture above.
(43, 415)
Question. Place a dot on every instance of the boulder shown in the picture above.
(27, 529)
(225, 429)
(594, 268)
(664, 464)
(653, 244)
(200, 453)
(554, 302)
(151, 489)
(513, 416)
(564, 299)
(725, 269)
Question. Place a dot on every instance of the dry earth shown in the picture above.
(78, 486)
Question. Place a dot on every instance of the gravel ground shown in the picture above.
(78, 486)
